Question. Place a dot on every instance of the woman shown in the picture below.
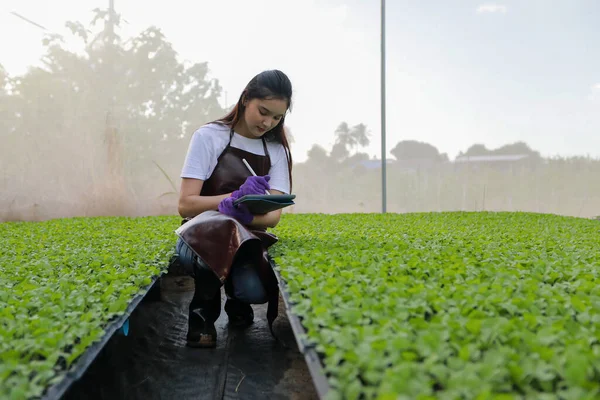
(222, 244)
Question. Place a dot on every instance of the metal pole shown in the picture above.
(383, 152)
(111, 20)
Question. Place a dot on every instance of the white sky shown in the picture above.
(456, 75)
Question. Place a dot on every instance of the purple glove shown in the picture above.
(253, 185)
(240, 212)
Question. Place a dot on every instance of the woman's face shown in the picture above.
(262, 115)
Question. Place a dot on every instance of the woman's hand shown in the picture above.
(241, 212)
(268, 220)
(253, 185)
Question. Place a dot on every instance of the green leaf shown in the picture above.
(448, 305)
(59, 289)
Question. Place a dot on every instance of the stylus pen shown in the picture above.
(252, 171)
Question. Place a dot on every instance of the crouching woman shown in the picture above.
(223, 244)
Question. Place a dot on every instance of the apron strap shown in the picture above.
(230, 137)
(264, 143)
(266, 150)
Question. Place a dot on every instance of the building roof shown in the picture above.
(491, 158)
(373, 164)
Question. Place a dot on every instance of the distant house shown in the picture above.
(371, 164)
(500, 161)
(418, 164)
(411, 166)
(500, 158)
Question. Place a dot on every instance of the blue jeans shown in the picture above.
(245, 281)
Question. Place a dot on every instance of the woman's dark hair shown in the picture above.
(271, 84)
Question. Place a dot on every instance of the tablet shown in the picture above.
(264, 203)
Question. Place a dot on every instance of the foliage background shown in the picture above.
(105, 132)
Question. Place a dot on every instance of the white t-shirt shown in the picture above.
(210, 140)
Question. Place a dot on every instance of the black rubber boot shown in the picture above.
(240, 314)
(204, 310)
(201, 329)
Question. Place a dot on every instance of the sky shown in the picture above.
(457, 72)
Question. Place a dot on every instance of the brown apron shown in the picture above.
(217, 238)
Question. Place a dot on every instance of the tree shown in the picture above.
(4, 100)
(348, 138)
(416, 150)
(477, 150)
(339, 152)
(317, 155)
(115, 107)
(7, 116)
(3, 80)
(357, 136)
(516, 148)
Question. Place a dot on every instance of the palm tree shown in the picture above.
(347, 139)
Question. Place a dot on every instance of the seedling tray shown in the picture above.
(56, 391)
(308, 350)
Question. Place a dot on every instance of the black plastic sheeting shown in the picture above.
(85, 360)
(152, 361)
(308, 350)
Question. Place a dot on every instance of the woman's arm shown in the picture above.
(268, 220)
(191, 203)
